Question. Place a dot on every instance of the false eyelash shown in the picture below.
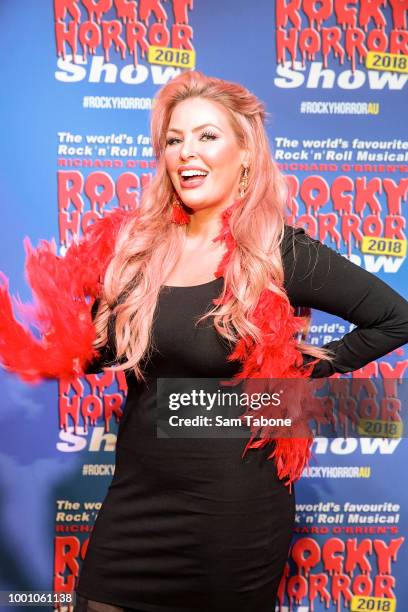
(207, 133)
(171, 141)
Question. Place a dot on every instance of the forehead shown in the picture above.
(199, 111)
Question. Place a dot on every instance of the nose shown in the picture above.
(188, 148)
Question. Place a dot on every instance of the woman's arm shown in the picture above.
(318, 277)
(106, 355)
(64, 288)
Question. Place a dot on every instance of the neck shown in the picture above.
(205, 225)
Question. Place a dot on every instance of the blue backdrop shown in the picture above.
(75, 139)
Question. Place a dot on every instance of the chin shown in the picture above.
(198, 202)
(193, 203)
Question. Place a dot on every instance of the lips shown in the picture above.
(192, 181)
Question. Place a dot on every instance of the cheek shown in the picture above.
(170, 157)
(225, 158)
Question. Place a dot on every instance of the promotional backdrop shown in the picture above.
(78, 81)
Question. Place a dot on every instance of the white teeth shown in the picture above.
(186, 173)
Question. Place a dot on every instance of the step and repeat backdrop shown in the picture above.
(78, 81)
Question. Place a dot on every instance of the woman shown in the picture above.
(191, 524)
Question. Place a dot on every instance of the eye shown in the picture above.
(208, 135)
(205, 136)
(172, 140)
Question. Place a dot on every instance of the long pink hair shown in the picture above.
(149, 245)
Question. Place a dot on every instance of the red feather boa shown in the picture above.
(276, 356)
(64, 289)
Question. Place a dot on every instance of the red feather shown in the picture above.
(64, 289)
(276, 356)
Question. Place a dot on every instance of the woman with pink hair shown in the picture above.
(202, 281)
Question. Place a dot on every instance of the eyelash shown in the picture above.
(210, 135)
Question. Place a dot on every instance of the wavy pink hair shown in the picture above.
(149, 245)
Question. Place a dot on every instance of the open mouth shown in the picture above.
(190, 174)
(192, 178)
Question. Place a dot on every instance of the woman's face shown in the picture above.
(203, 158)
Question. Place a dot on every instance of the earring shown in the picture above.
(178, 214)
(243, 183)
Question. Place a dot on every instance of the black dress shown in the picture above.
(187, 524)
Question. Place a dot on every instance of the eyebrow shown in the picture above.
(199, 127)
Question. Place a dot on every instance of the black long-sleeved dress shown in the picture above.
(187, 524)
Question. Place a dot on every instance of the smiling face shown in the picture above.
(203, 157)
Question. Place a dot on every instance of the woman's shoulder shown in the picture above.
(293, 238)
(300, 250)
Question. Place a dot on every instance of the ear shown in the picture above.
(245, 158)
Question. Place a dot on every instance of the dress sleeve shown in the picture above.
(318, 277)
(106, 355)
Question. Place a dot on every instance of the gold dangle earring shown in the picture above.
(243, 183)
